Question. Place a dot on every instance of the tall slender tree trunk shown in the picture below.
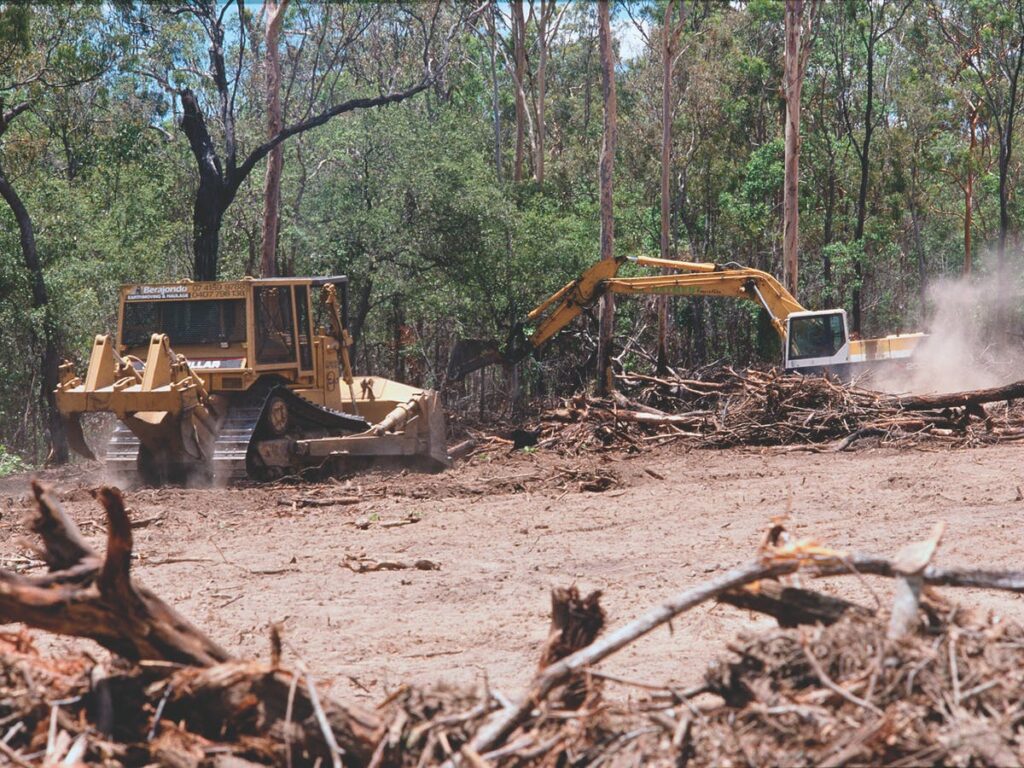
(969, 193)
(519, 52)
(793, 86)
(668, 38)
(542, 65)
(915, 220)
(50, 359)
(1004, 197)
(495, 98)
(606, 170)
(862, 192)
(274, 10)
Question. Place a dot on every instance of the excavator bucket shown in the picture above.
(470, 355)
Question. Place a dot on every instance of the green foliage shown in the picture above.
(10, 463)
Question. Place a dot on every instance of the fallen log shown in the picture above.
(462, 449)
(961, 399)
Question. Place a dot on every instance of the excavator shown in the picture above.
(228, 380)
(812, 342)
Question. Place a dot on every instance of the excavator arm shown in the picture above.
(565, 305)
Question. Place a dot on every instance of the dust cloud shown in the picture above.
(965, 348)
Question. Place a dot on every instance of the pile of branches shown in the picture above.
(838, 683)
(949, 694)
(725, 408)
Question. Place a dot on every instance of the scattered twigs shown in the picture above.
(775, 562)
(829, 683)
(497, 731)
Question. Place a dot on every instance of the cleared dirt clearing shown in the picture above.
(505, 529)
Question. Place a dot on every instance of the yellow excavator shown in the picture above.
(217, 381)
(812, 342)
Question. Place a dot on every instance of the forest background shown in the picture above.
(445, 157)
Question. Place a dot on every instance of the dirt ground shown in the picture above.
(503, 529)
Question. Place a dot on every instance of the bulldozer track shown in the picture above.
(244, 424)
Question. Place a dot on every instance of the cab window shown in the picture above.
(187, 323)
(816, 336)
(275, 329)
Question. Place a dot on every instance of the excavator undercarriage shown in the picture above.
(259, 394)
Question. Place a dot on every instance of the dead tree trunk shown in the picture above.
(87, 596)
(1013, 391)
(575, 623)
(274, 10)
(605, 176)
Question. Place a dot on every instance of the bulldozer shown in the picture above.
(813, 342)
(243, 379)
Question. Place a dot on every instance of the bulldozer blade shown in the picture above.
(75, 436)
(470, 355)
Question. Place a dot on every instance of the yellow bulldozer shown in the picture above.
(218, 381)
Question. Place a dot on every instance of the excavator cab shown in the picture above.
(816, 340)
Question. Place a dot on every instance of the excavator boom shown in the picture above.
(811, 340)
(565, 305)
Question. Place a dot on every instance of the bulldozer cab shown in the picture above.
(253, 326)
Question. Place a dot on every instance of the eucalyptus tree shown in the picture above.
(858, 31)
(352, 56)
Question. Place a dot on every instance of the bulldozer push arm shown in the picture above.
(693, 279)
